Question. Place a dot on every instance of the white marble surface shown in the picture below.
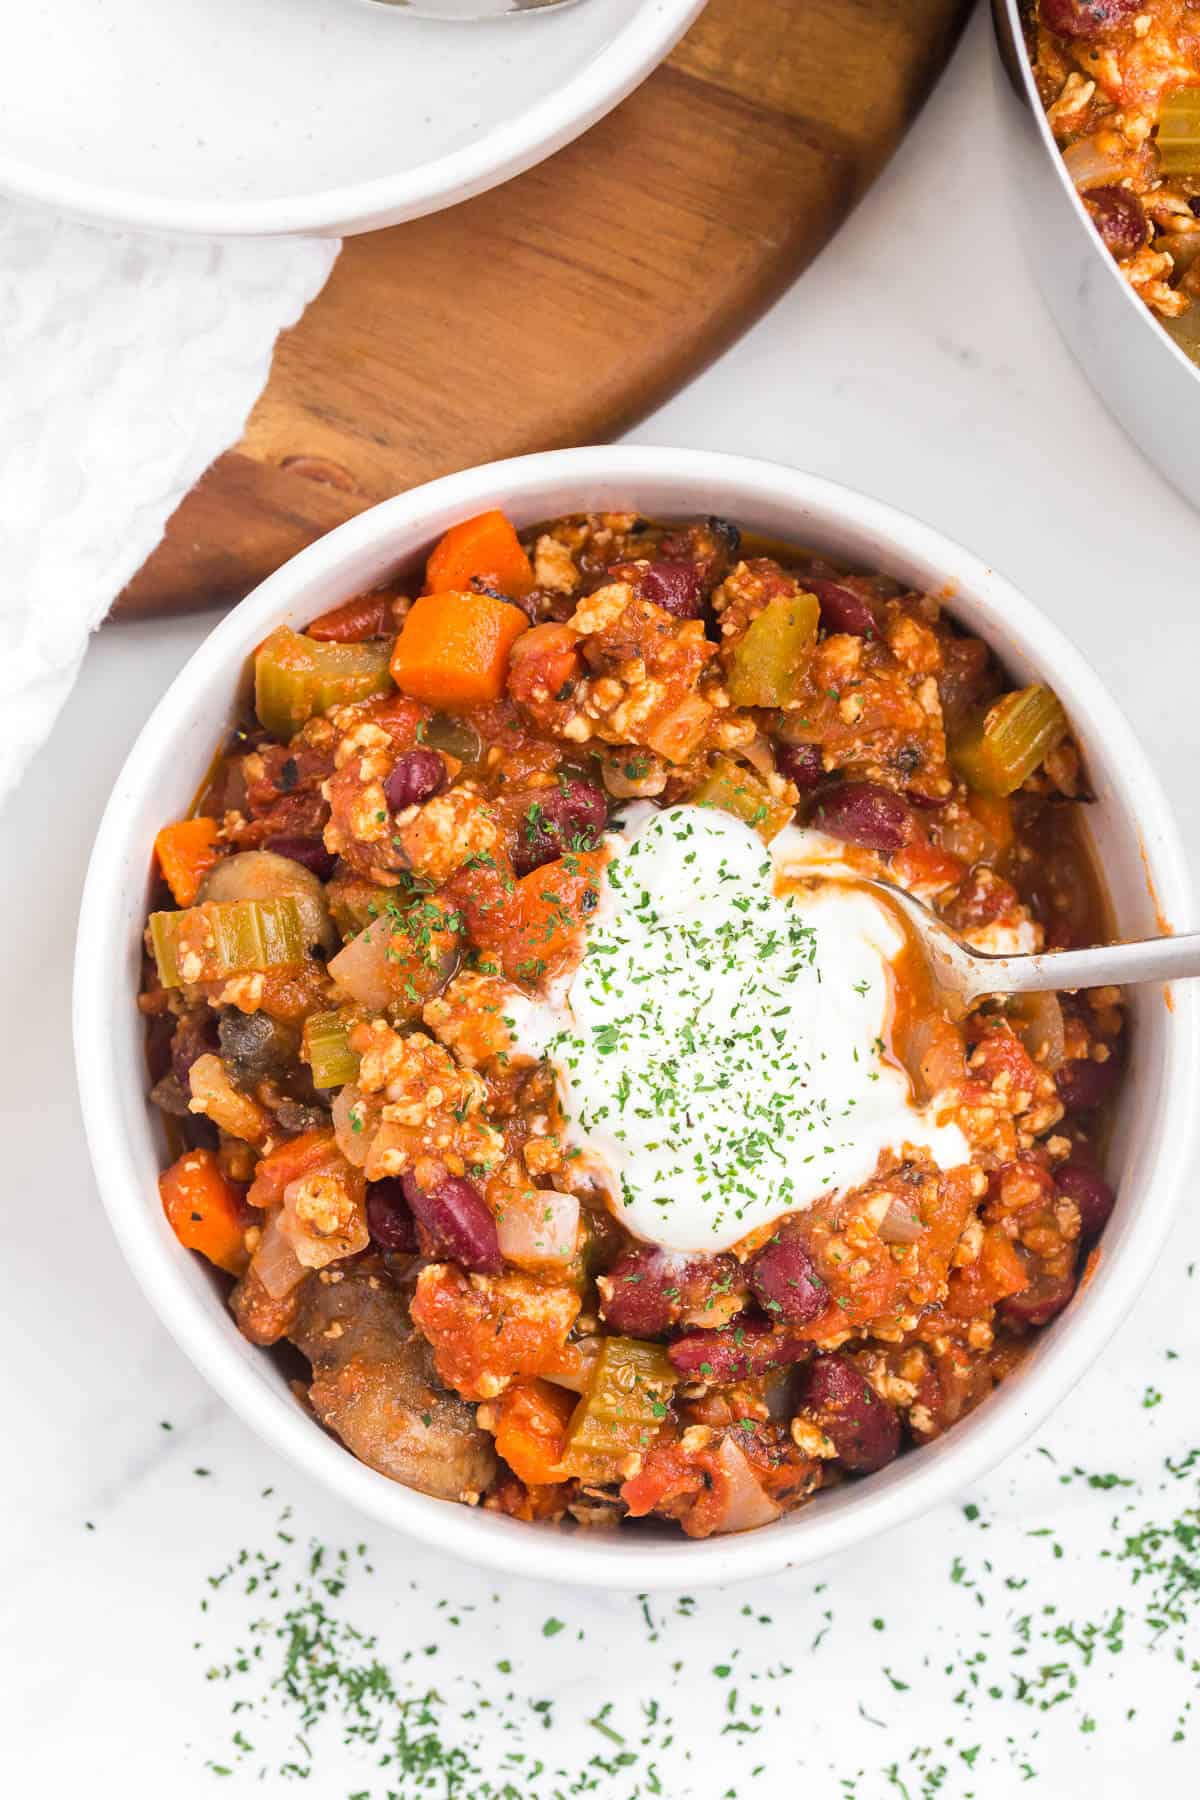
(915, 361)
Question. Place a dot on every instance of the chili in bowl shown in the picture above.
(532, 1060)
(1096, 107)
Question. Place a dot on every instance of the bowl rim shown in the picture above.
(938, 1471)
(1011, 10)
(552, 122)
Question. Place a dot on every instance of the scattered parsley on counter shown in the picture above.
(302, 1671)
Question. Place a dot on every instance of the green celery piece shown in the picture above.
(736, 789)
(769, 661)
(230, 937)
(1002, 749)
(1179, 133)
(327, 1052)
(621, 1412)
(296, 678)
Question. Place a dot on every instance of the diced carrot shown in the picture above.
(485, 548)
(206, 1210)
(531, 1430)
(453, 648)
(366, 616)
(186, 852)
(302, 1155)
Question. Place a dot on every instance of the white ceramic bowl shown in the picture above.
(1133, 834)
(265, 116)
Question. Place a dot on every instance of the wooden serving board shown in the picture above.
(564, 306)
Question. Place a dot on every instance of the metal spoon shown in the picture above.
(964, 974)
(466, 10)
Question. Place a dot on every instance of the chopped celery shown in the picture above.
(621, 1409)
(454, 736)
(768, 662)
(1003, 748)
(231, 937)
(738, 790)
(295, 678)
(326, 1050)
(1179, 133)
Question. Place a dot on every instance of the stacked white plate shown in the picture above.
(263, 116)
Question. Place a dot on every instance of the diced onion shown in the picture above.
(899, 1226)
(381, 967)
(931, 1049)
(353, 1139)
(744, 1505)
(574, 1367)
(759, 755)
(275, 1262)
(363, 970)
(537, 1227)
(1038, 1022)
(1090, 164)
(317, 1249)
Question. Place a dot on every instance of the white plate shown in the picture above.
(265, 116)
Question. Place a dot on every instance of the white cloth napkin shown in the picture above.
(126, 365)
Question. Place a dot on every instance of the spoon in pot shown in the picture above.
(964, 974)
(468, 10)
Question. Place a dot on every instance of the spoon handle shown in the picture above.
(1149, 959)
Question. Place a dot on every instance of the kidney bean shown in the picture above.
(1086, 18)
(841, 608)
(389, 1216)
(784, 1281)
(456, 1223)
(733, 1352)
(571, 815)
(1040, 1302)
(1119, 217)
(637, 1302)
(309, 852)
(416, 777)
(863, 1429)
(864, 813)
(1091, 1194)
(675, 586)
(649, 1290)
(800, 763)
(1083, 1084)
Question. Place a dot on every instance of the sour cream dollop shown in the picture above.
(719, 1050)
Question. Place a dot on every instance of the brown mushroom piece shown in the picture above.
(374, 1385)
(263, 875)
